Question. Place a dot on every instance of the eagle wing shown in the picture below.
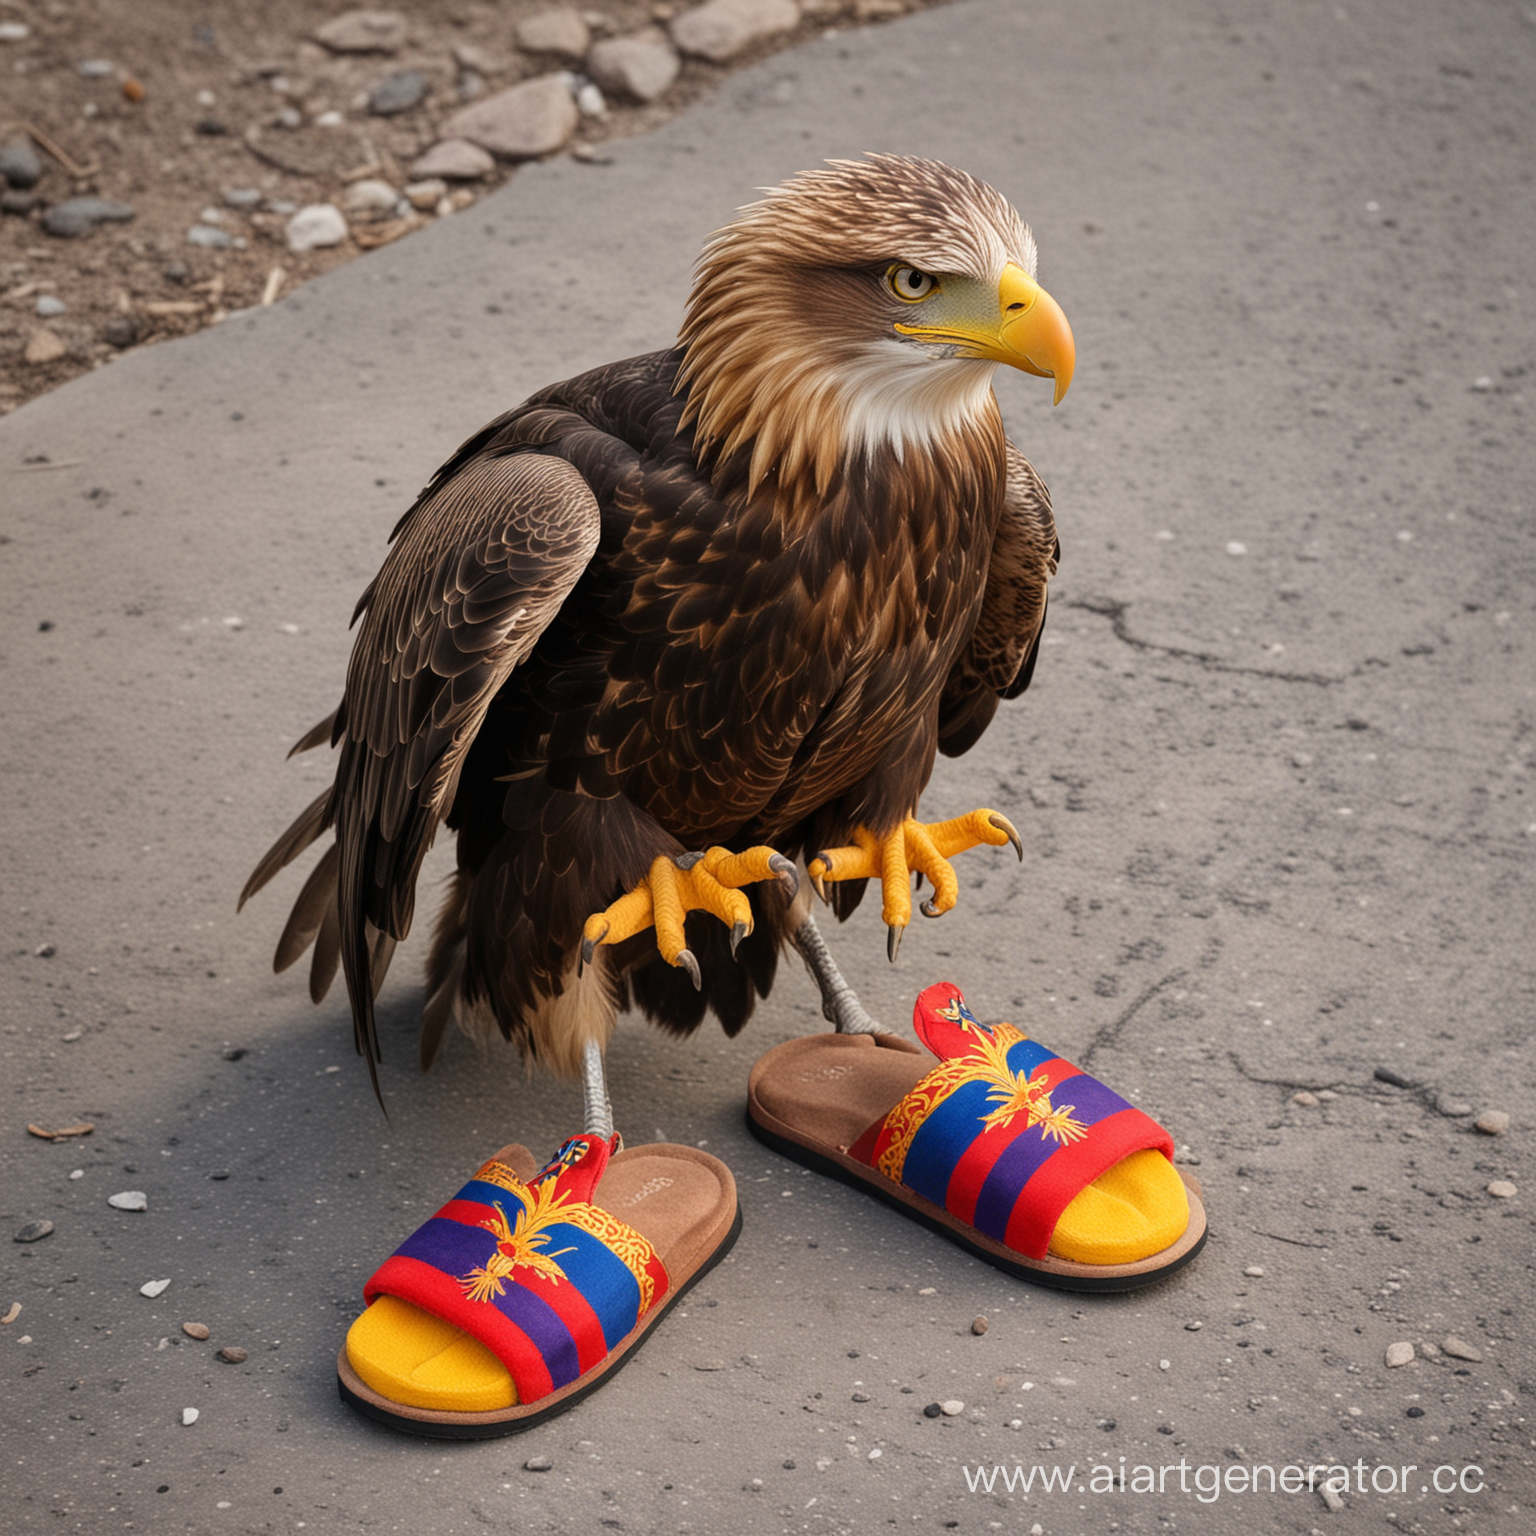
(479, 567)
(999, 659)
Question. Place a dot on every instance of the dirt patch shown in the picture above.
(210, 125)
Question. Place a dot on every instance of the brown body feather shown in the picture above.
(609, 629)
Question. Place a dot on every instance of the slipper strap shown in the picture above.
(1002, 1133)
(546, 1280)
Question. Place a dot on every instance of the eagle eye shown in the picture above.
(910, 285)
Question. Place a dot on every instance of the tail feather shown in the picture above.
(311, 822)
(326, 960)
(317, 897)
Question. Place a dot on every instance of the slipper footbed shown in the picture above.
(828, 1089)
(673, 1196)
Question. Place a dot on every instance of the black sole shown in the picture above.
(820, 1164)
(433, 1430)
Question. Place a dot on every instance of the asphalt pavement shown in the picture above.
(1273, 777)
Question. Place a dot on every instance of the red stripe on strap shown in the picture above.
(1071, 1169)
(440, 1294)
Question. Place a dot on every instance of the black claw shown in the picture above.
(785, 870)
(588, 949)
(1004, 825)
(893, 942)
(739, 931)
(686, 960)
(928, 909)
(820, 887)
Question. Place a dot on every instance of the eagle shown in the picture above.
(670, 635)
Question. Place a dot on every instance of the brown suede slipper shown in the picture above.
(999, 1146)
(528, 1289)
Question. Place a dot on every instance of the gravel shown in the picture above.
(32, 1232)
(314, 226)
(1492, 1122)
(20, 164)
(1399, 1354)
(1459, 1349)
(129, 1200)
(399, 93)
(195, 1330)
(77, 216)
(153, 1288)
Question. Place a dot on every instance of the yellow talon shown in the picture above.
(913, 846)
(697, 882)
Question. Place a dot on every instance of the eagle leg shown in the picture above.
(840, 1004)
(691, 882)
(914, 847)
(598, 1112)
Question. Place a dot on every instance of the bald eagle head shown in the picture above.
(860, 309)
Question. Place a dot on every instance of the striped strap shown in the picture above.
(547, 1281)
(1002, 1133)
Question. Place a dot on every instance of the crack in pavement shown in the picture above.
(1115, 611)
(1110, 1032)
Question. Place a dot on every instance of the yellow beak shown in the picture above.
(1030, 332)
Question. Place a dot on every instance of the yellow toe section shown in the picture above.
(413, 1358)
(1135, 1210)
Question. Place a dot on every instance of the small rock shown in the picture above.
(33, 1231)
(45, 951)
(189, 1415)
(290, 118)
(1430, 1351)
(1106, 1424)
(1165, 1365)
(589, 100)
(94, 69)
(153, 1288)
(1502, 1189)
(243, 197)
(18, 203)
(1454, 1109)
(980, 1325)
(319, 224)
(1415, 1412)
(232, 1354)
(370, 199)
(362, 31)
(20, 163)
(1492, 1122)
(1254, 1271)
(1330, 1498)
(538, 1464)
(933, 1410)
(426, 195)
(1393, 1078)
(951, 1406)
(129, 1200)
(210, 237)
(399, 93)
(1459, 1349)
(195, 1330)
(14, 31)
(470, 86)
(710, 1365)
(1399, 1354)
(44, 347)
(211, 127)
(860, 1397)
(80, 215)
(472, 56)
(1193, 1326)
(560, 31)
(642, 66)
(720, 29)
(12, 1312)
(453, 160)
(121, 331)
(522, 122)
(330, 118)
(1304, 1099)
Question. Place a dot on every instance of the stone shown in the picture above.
(315, 226)
(522, 122)
(362, 31)
(980, 1326)
(951, 1406)
(19, 203)
(641, 66)
(189, 1416)
(399, 93)
(210, 237)
(32, 1232)
(538, 1464)
(1254, 1271)
(426, 195)
(1459, 1349)
(720, 29)
(1492, 1122)
(94, 69)
(559, 31)
(589, 100)
(14, 31)
(1454, 1109)
(1304, 1099)
(1502, 1189)
(1330, 1498)
(195, 1330)
(242, 197)
(80, 215)
(121, 331)
(370, 199)
(933, 1410)
(44, 347)
(453, 160)
(20, 163)
(1399, 1354)
(153, 1288)
(50, 308)
(129, 1200)
(232, 1354)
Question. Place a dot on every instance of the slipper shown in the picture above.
(523, 1294)
(1002, 1147)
